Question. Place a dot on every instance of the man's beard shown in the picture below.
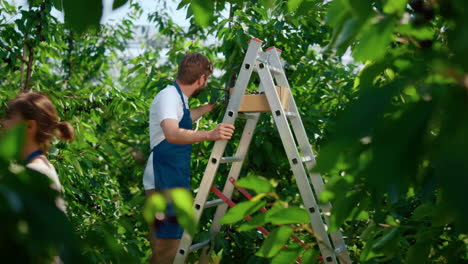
(198, 91)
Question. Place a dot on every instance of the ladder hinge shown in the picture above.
(213, 203)
(197, 246)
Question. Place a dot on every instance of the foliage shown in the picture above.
(403, 165)
(31, 223)
(390, 137)
(101, 170)
(103, 208)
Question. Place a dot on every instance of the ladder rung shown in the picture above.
(290, 114)
(197, 246)
(339, 249)
(213, 203)
(306, 159)
(247, 116)
(230, 159)
(275, 70)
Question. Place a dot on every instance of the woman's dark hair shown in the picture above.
(38, 107)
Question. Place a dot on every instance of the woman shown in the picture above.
(42, 124)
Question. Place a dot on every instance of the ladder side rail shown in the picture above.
(296, 122)
(299, 130)
(306, 149)
(295, 162)
(318, 185)
(219, 146)
(234, 172)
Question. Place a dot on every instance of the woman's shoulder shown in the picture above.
(43, 166)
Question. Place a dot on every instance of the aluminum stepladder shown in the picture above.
(270, 69)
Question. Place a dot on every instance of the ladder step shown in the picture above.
(197, 246)
(230, 159)
(247, 116)
(213, 203)
(307, 159)
(291, 115)
(276, 70)
(339, 249)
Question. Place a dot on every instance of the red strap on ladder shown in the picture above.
(232, 204)
(249, 196)
(263, 230)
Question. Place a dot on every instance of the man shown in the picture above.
(171, 136)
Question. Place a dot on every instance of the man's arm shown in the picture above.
(196, 113)
(176, 135)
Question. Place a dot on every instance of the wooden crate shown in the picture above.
(259, 103)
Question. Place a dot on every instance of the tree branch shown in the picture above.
(22, 65)
(29, 68)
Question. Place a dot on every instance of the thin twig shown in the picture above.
(29, 69)
(22, 65)
(16, 55)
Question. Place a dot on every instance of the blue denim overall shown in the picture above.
(171, 165)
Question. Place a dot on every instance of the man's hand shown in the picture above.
(196, 113)
(222, 131)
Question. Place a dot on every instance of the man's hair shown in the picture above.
(192, 66)
(38, 107)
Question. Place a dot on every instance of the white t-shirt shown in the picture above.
(166, 105)
(44, 167)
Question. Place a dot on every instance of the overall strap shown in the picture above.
(31, 156)
(181, 95)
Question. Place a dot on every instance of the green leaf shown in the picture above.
(310, 256)
(374, 40)
(12, 199)
(422, 211)
(386, 239)
(182, 4)
(83, 15)
(420, 33)
(350, 29)
(257, 183)
(77, 166)
(203, 11)
(156, 203)
(89, 135)
(12, 142)
(395, 6)
(241, 210)
(342, 209)
(290, 215)
(419, 252)
(337, 11)
(257, 220)
(293, 5)
(34, 2)
(118, 3)
(274, 242)
(183, 204)
(386, 245)
(288, 255)
(57, 4)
